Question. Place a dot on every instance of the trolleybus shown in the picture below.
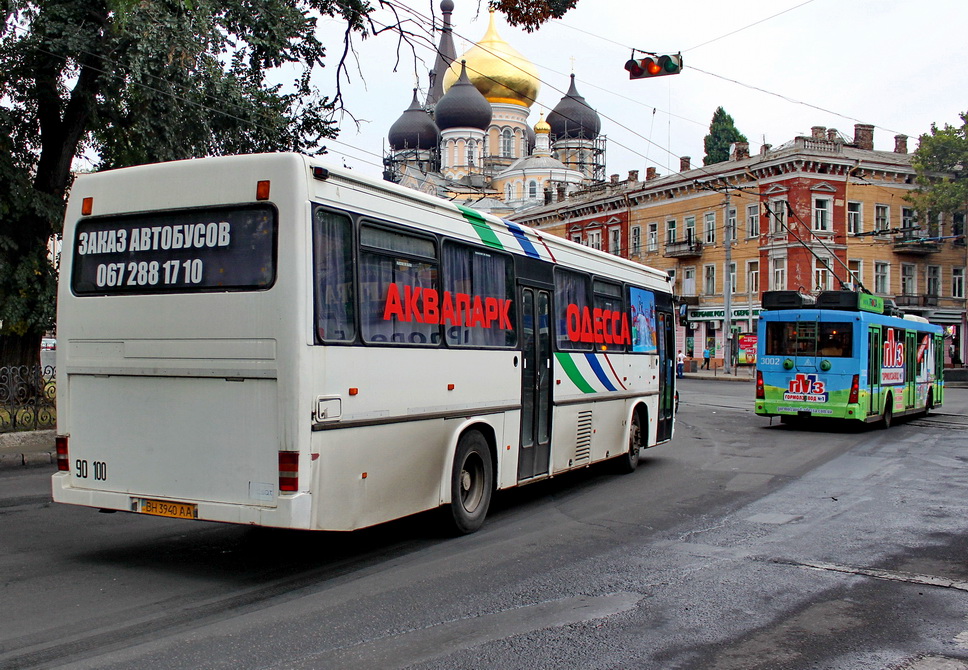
(267, 340)
(846, 356)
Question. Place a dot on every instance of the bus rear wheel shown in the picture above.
(629, 461)
(471, 484)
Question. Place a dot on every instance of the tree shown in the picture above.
(941, 162)
(531, 14)
(127, 82)
(722, 133)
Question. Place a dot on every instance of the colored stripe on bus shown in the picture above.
(576, 377)
(481, 227)
(519, 235)
(599, 372)
(614, 374)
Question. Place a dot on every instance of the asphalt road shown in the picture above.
(739, 545)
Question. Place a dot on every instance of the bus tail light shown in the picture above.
(63, 461)
(760, 390)
(288, 471)
(854, 390)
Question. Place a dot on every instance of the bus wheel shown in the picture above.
(888, 417)
(471, 483)
(628, 461)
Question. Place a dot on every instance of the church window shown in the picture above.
(532, 189)
(507, 143)
(472, 153)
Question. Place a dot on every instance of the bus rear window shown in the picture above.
(210, 249)
(809, 338)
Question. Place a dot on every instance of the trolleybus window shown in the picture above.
(335, 290)
(809, 338)
(211, 249)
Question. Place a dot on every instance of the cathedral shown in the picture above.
(470, 140)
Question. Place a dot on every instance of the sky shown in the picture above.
(778, 67)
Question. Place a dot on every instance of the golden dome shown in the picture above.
(497, 70)
(542, 126)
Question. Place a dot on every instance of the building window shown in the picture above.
(576, 238)
(821, 215)
(854, 217)
(689, 281)
(652, 237)
(822, 276)
(671, 231)
(934, 280)
(753, 277)
(957, 282)
(882, 279)
(709, 228)
(672, 279)
(709, 279)
(778, 216)
(752, 221)
(507, 143)
(778, 274)
(471, 153)
(854, 268)
(636, 242)
(690, 230)
(909, 220)
(507, 192)
(532, 189)
(615, 240)
(731, 278)
(909, 280)
(595, 239)
(882, 218)
(731, 226)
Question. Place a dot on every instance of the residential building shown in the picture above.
(819, 212)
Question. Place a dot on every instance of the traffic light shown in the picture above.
(654, 66)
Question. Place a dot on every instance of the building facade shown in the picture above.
(820, 212)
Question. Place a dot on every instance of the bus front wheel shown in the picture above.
(471, 484)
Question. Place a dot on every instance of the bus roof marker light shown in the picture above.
(320, 173)
(87, 206)
(262, 190)
(354, 391)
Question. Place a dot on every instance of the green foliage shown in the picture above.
(941, 162)
(122, 82)
(722, 133)
(531, 14)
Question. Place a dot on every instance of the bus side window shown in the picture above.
(335, 291)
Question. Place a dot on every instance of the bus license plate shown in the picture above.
(175, 510)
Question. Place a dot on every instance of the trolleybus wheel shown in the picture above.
(630, 459)
(888, 417)
(471, 484)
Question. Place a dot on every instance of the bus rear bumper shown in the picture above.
(288, 511)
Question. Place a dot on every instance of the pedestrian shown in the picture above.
(680, 364)
(705, 359)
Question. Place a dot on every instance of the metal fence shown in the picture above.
(27, 398)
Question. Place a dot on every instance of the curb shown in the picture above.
(27, 448)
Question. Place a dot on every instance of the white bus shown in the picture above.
(265, 340)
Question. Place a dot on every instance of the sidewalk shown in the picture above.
(740, 373)
(32, 448)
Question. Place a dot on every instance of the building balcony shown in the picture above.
(684, 249)
(687, 300)
(915, 246)
(906, 300)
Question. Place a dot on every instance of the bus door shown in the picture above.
(665, 324)
(874, 370)
(535, 452)
(910, 368)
